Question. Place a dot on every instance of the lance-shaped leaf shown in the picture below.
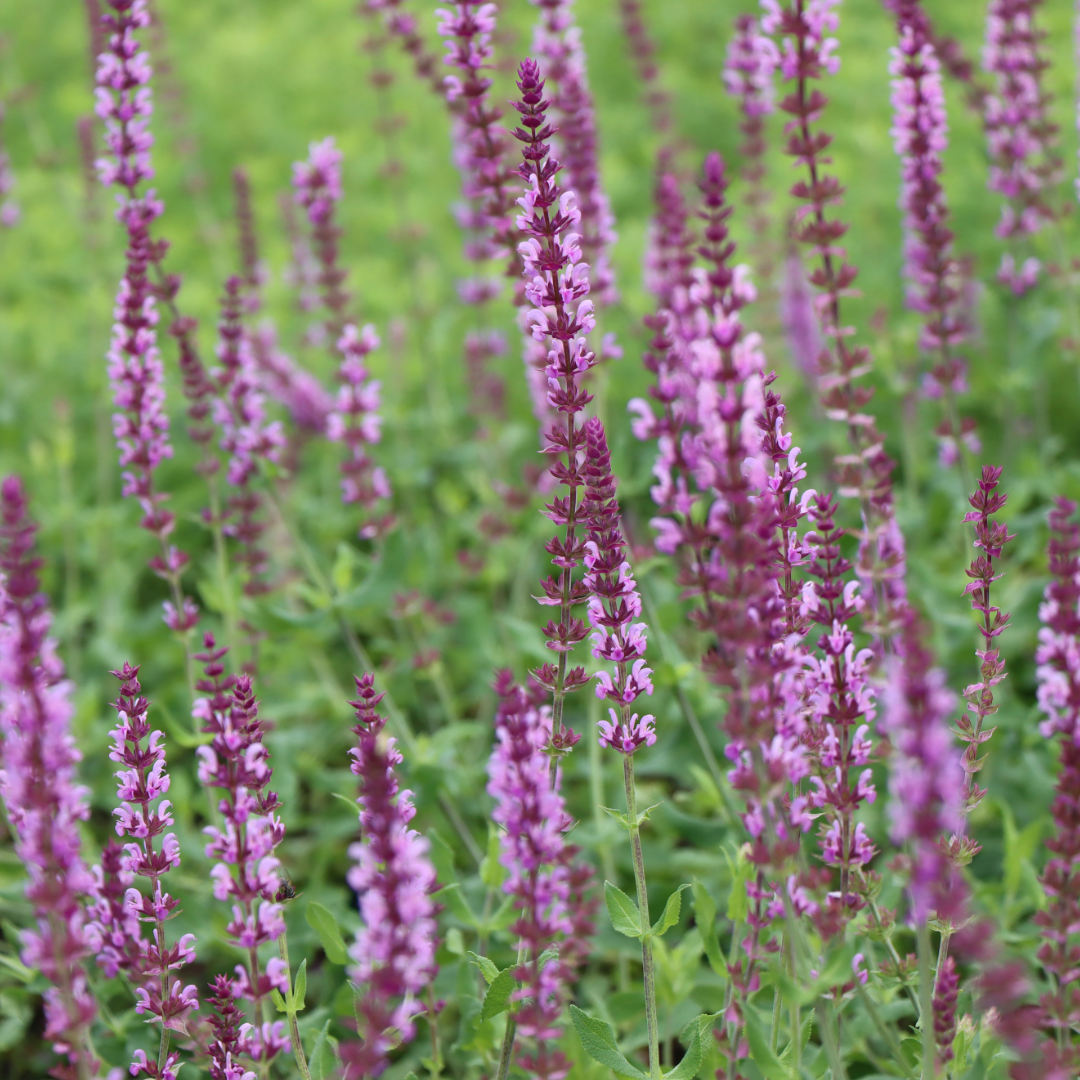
(672, 909)
(624, 913)
(598, 1040)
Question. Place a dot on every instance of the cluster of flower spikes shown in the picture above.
(934, 273)
(1058, 676)
(317, 188)
(225, 1023)
(239, 411)
(1019, 133)
(38, 784)
(748, 77)
(394, 952)
(141, 426)
(560, 317)
(926, 783)
(557, 43)
(235, 762)
(807, 53)
(143, 781)
(530, 810)
(614, 603)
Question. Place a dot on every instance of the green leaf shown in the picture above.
(760, 1051)
(455, 942)
(324, 1063)
(804, 1038)
(691, 1062)
(17, 968)
(502, 918)
(672, 910)
(624, 913)
(325, 925)
(442, 858)
(738, 904)
(492, 872)
(350, 803)
(497, 998)
(299, 993)
(279, 1001)
(450, 895)
(487, 968)
(598, 1041)
(705, 920)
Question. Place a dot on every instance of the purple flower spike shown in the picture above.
(557, 41)
(144, 815)
(247, 875)
(141, 426)
(614, 603)
(288, 383)
(1021, 138)
(643, 50)
(355, 421)
(38, 783)
(926, 782)
(531, 811)
(394, 953)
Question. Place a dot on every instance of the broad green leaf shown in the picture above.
(487, 968)
(492, 872)
(705, 920)
(624, 913)
(598, 1041)
(325, 925)
(455, 942)
(672, 910)
(324, 1063)
(497, 998)
(451, 896)
(760, 1051)
(299, 993)
(691, 1062)
(17, 968)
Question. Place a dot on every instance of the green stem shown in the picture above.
(926, 998)
(507, 1052)
(436, 1057)
(885, 1032)
(648, 970)
(294, 1030)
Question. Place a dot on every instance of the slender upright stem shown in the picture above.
(926, 998)
(648, 970)
(506, 1054)
(294, 1030)
(433, 1028)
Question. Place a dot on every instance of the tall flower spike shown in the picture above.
(557, 41)
(560, 318)
(289, 384)
(643, 50)
(355, 421)
(317, 188)
(144, 815)
(531, 812)
(236, 762)
(394, 953)
(926, 783)
(38, 784)
(808, 52)
(141, 426)
(1058, 677)
(614, 603)
(934, 274)
(1021, 138)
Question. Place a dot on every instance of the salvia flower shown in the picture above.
(317, 188)
(934, 274)
(1058, 676)
(143, 816)
(614, 603)
(1019, 133)
(355, 421)
(394, 953)
(246, 875)
(557, 42)
(808, 52)
(141, 425)
(38, 784)
(926, 782)
(225, 1022)
(560, 317)
(532, 815)
(286, 382)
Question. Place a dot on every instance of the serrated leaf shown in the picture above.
(497, 998)
(598, 1041)
(452, 897)
(299, 993)
(278, 1000)
(487, 968)
(324, 1063)
(804, 1038)
(705, 920)
(760, 1051)
(623, 912)
(691, 1062)
(672, 910)
(325, 925)
(645, 814)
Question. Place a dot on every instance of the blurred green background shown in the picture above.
(249, 83)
